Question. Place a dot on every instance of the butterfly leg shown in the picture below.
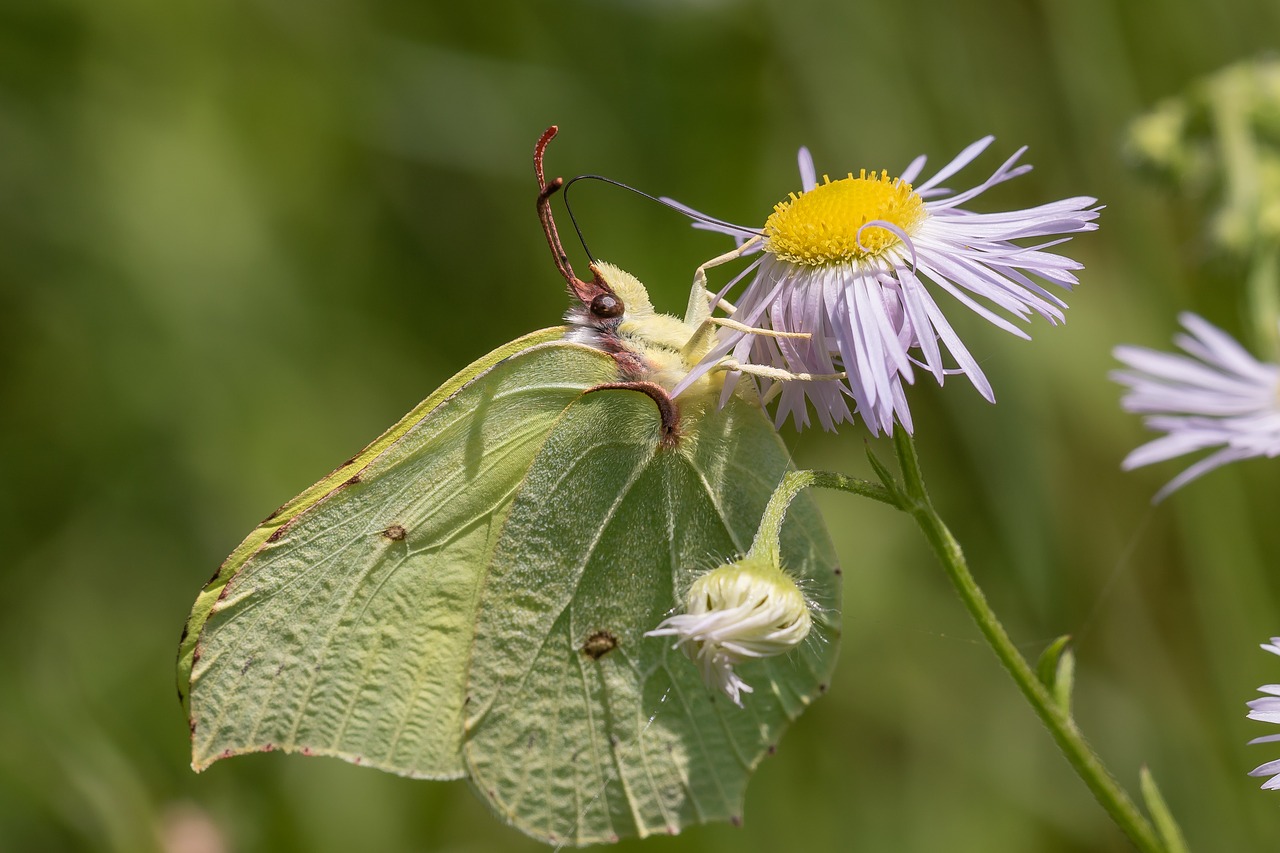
(701, 300)
(753, 330)
(777, 373)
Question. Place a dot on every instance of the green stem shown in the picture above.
(794, 482)
(1055, 717)
(1263, 297)
(913, 498)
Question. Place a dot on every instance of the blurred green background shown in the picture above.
(239, 239)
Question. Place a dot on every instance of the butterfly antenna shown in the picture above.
(587, 292)
(679, 208)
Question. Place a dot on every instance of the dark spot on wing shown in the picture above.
(276, 534)
(354, 481)
(735, 819)
(599, 644)
(245, 668)
(822, 688)
(395, 532)
(268, 747)
(771, 749)
(838, 572)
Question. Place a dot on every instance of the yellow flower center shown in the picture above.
(820, 226)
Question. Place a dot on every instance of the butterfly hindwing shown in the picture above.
(579, 728)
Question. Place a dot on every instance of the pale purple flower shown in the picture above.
(1267, 709)
(855, 263)
(1215, 396)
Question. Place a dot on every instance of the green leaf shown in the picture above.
(1056, 670)
(1167, 828)
(468, 597)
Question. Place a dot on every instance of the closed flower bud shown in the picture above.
(741, 611)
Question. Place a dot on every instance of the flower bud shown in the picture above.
(740, 611)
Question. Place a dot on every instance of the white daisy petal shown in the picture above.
(1215, 396)
(964, 158)
(910, 173)
(808, 176)
(1266, 709)
(858, 260)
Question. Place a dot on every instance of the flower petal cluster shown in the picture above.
(741, 611)
(1217, 395)
(855, 264)
(1267, 709)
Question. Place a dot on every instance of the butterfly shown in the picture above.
(468, 596)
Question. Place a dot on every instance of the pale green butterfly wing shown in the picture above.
(579, 728)
(495, 558)
(343, 625)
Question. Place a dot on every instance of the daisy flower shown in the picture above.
(1267, 709)
(741, 611)
(856, 263)
(1217, 395)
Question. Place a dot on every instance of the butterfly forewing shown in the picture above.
(348, 631)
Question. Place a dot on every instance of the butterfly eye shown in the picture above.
(606, 305)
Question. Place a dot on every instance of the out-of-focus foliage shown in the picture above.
(239, 239)
(1219, 144)
(1222, 140)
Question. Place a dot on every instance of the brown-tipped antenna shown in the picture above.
(596, 295)
(545, 192)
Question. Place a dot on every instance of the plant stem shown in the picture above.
(913, 498)
(1054, 716)
(793, 482)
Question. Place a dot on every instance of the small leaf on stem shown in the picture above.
(1166, 826)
